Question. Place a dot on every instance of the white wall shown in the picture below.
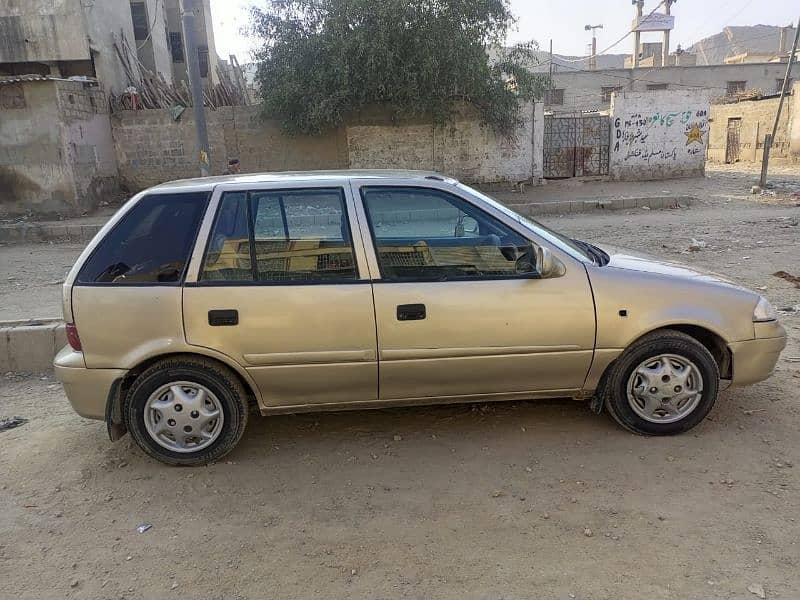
(658, 135)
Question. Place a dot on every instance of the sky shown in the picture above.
(564, 21)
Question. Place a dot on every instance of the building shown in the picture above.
(580, 91)
(737, 129)
(68, 38)
(204, 38)
(59, 61)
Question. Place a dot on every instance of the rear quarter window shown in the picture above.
(150, 245)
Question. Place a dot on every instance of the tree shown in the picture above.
(323, 59)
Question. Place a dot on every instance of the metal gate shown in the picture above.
(732, 145)
(576, 146)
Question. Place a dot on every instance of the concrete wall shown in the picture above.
(103, 21)
(757, 119)
(56, 151)
(658, 135)
(583, 89)
(465, 148)
(42, 31)
(152, 148)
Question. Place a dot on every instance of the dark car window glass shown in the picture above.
(297, 236)
(428, 234)
(151, 244)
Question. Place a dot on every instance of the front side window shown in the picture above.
(150, 244)
(286, 236)
(431, 235)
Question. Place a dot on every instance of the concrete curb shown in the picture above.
(581, 206)
(29, 346)
(22, 233)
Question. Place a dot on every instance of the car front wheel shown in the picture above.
(665, 383)
(186, 411)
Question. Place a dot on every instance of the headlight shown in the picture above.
(764, 311)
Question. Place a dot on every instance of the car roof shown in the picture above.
(207, 184)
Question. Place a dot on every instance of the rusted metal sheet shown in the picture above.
(576, 146)
(732, 146)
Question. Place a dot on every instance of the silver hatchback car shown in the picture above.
(314, 291)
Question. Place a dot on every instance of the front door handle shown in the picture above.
(223, 317)
(410, 312)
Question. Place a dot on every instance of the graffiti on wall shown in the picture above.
(660, 137)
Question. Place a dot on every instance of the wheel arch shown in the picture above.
(116, 398)
(710, 339)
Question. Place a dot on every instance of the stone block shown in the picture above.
(30, 348)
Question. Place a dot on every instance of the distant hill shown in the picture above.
(563, 62)
(755, 39)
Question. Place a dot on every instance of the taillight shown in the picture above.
(73, 339)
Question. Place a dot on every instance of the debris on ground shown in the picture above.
(757, 589)
(144, 527)
(588, 532)
(788, 277)
(11, 422)
(697, 245)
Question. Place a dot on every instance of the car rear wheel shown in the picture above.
(186, 411)
(665, 383)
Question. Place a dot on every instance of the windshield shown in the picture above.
(568, 245)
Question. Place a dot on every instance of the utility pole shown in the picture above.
(637, 35)
(769, 138)
(196, 85)
(593, 59)
(665, 46)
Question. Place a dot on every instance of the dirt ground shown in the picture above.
(502, 501)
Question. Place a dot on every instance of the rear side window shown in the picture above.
(281, 236)
(150, 245)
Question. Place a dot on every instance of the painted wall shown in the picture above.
(465, 149)
(757, 118)
(658, 135)
(583, 89)
(42, 31)
(56, 150)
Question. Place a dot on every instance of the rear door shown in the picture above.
(279, 283)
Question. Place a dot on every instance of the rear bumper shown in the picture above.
(755, 360)
(86, 389)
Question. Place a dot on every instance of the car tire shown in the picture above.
(186, 410)
(643, 378)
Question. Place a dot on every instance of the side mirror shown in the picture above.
(547, 264)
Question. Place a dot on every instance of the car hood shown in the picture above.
(636, 261)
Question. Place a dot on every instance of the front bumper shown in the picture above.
(86, 389)
(755, 360)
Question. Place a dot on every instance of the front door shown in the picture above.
(459, 312)
(282, 289)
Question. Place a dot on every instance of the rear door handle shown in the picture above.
(410, 312)
(223, 317)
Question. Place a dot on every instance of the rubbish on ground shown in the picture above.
(12, 422)
(588, 532)
(143, 527)
(757, 589)
(697, 245)
(788, 277)
(792, 359)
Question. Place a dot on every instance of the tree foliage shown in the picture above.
(321, 60)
